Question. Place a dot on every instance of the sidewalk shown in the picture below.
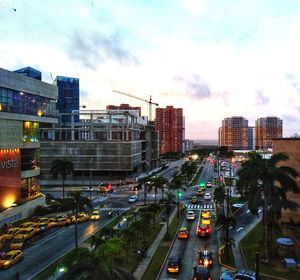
(141, 268)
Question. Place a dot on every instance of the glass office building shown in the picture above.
(30, 72)
(68, 96)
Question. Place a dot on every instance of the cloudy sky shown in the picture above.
(213, 58)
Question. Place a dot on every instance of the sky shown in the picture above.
(213, 58)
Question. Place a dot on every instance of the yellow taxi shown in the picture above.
(17, 243)
(27, 225)
(52, 223)
(95, 216)
(61, 222)
(205, 221)
(27, 232)
(9, 235)
(11, 258)
(2, 241)
(81, 217)
(205, 214)
(42, 220)
(183, 233)
(194, 200)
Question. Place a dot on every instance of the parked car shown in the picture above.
(18, 242)
(27, 225)
(27, 233)
(174, 265)
(61, 222)
(132, 198)
(9, 235)
(190, 215)
(240, 274)
(11, 258)
(81, 217)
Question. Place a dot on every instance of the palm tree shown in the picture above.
(145, 182)
(167, 200)
(265, 183)
(177, 185)
(79, 202)
(156, 184)
(62, 167)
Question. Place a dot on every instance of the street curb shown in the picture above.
(169, 251)
(223, 264)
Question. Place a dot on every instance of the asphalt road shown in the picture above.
(189, 249)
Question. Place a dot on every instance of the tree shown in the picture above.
(78, 204)
(177, 185)
(157, 183)
(145, 182)
(62, 167)
(168, 200)
(266, 184)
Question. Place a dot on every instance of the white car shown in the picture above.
(207, 196)
(190, 215)
(87, 189)
(132, 198)
(208, 184)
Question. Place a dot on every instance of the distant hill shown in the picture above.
(206, 142)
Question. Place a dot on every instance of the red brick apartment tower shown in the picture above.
(169, 124)
(123, 107)
(266, 129)
(234, 133)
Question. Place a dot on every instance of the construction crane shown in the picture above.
(139, 98)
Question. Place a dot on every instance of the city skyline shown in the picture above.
(211, 58)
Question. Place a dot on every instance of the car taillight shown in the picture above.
(209, 278)
(207, 230)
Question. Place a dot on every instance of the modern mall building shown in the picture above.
(25, 103)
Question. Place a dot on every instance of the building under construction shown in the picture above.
(103, 145)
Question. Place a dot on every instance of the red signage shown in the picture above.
(10, 176)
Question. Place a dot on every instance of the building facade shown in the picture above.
(68, 96)
(169, 122)
(234, 133)
(25, 104)
(267, 129)
(124, 107)
(251, 138)
(30, 72)
(102, 145)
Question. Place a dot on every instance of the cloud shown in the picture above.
(261, 99)
(92, 48)
(290, 118)
(195, 86)
(293, 81)
(224, 95)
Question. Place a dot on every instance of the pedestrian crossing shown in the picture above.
(200, 207)
(121, 209)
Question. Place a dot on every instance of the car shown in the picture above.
(205, 214)
(27, 232)
(174, 265)
(207, 196)
(132, 198)
(240, 274)
(201, 273)
(203, 230)
(106, 188)
(81, 217)
(183, 233)
(61, 222)
(205, 258)
(200, 191)
(194, 200)
(27, 225)
(208, 184)
(18, 242)
(10, 258)
(2, 242)
(87, 189)
(41, 220)
(52, 222)
(95, 216)
(9, 235)
(190, 215)
(205, 221)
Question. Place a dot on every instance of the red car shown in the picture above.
(203, 230)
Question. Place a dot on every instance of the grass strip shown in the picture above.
(275, 267)
(230, 261)
(161, 252)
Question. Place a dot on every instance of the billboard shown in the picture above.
(10, 177)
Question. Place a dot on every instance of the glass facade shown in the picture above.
(30, 132)
(30, 159)
(13, 101)
(68, 96)
(30, 72)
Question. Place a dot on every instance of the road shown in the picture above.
(188, 249)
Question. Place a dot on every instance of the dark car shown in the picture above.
(201, 273)
(174, 265)
(203, 230)
(205, 258)
(238, 275)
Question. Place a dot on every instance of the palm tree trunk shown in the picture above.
(63, 188)
(265, 223)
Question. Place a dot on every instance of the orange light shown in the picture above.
(39, 113)
(9, 201)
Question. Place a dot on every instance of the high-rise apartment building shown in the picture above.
(251, 138)
(267, 129)
(124, 107)
(68, 96)
(234, 133)
(169, 123)
(25, 104)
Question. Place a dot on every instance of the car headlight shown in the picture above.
(6, 263)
